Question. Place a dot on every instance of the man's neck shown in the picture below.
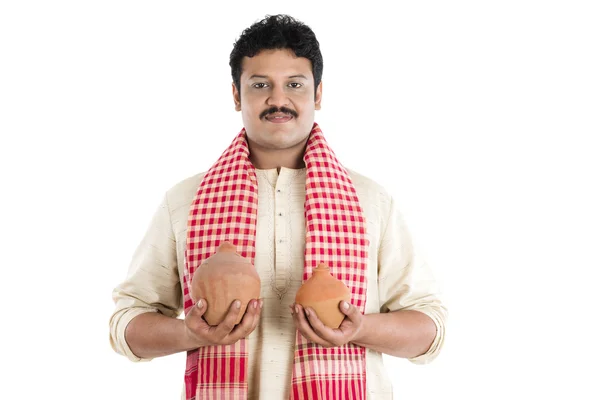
(268, 159)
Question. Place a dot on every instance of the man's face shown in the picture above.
(277, 99)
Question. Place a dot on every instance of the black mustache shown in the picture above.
(274, 110)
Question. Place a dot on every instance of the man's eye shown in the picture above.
(259, 85)
(296, 85)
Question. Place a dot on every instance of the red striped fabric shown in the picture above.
(225, 208)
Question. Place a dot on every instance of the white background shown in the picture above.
(480, 117)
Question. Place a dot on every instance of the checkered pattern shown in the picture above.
(225, 208)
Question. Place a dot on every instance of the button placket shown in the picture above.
(282, 251)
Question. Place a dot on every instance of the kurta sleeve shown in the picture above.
(152, 283)
(406, 281)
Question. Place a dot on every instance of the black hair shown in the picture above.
(277, 32)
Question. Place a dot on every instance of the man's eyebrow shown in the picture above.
(265, 76)
(298, 76)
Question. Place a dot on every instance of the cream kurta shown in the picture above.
(396, 280)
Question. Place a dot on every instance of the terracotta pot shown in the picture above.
(221, 279)
(322, 292)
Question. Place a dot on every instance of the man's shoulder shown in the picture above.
(187, 184)
(368, 186)
(182, 193)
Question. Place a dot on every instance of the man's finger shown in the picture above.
(349, 310)
(317, 325)
(332, 336)
(257, 316)
(194, 318)
(305, 328)
(226, 326)
(200, 308)
(248, 322)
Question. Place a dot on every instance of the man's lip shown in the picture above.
(278, 118)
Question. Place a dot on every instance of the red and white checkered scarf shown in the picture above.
(225, 208)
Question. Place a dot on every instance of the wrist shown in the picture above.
(362, 332)
(188, 339)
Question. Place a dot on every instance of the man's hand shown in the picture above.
(203, 334)
(313, 329)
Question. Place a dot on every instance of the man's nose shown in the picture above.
(278, 97)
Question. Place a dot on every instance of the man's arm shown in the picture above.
(144, 324)
(150, 297)
(411, 322)
(406, 334)
(151, 335)
(413, 316)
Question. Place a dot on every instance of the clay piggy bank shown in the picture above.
(222, 278)
(323, 293)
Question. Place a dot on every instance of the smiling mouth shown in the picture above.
(279, 118)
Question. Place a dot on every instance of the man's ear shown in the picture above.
(318, 95)
(236, 98)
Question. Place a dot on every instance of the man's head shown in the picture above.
(276, 66)
(277, 32)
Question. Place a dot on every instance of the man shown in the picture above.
(281, 196)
